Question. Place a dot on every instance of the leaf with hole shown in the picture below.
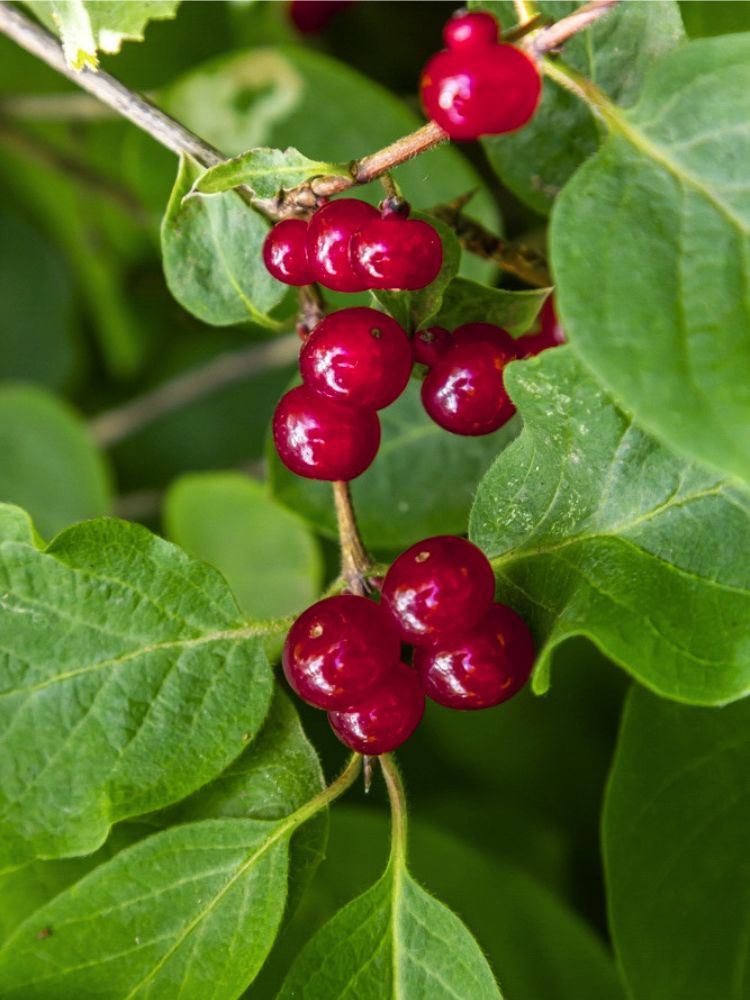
(129, 680)
(651, 251)
(596, 529)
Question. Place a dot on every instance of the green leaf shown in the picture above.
(211, 249)
(616, 52)
(87, 26)
(37, 318)
(713, 17)
(269, 557)
(415, 309)
(596, 529)
(130, 679)
(676, 830)
(422, 482)
(267, 172)
(393, 941)
(466, 301)
(272, 778)
(193, 910)
(655, 297)
(50, 465)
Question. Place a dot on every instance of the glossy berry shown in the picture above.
(439, 587)
(488, 90)
(397, 252)
(320, 439)
(359, 357)
(337, 651)
(484, 667)
(464, 392)
(550, 335)
(386, 718)
(312, 16)
(472, 30)
(429, 345)
(486, 333)
(285, 252)
(329, 237)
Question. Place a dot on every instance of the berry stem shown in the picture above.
(521, 261)
(355, 562)
(397, 799)
(550, 39)
(311, 309)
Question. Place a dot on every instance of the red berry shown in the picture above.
(386, 718)
(438, 587)
(486, 333)
(464, 391)
(482, 668)
(429, 345)
(338, 650)
(550, 335)
(329, 237)
(285, 252)
(359, 357)
(396, 252)
(485, 91)
(467, 31)
(320, 439)
(312, 16)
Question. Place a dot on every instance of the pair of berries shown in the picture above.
(349, 246)
(344, 653)
(464, 391)
(355, 362)
(478, 86)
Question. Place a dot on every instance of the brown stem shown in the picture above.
(355, 562)
(522, 30)
(521, 261)
(551, 38)
(311, 310)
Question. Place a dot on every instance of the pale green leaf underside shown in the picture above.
(651, 251)
(676, 830)
(87, 26)
(191, 912)
(212, 254)
(596, 529)
(394, 942)
(266, 171)
(128, 680)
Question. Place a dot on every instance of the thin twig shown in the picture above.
(107, 89)
(115, 425)
(355, 562)
(550, 39)
(30, 145)
(521, 261)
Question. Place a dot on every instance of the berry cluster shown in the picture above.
(349, 246)
(463, 391)
(477, 85)
(344, 653)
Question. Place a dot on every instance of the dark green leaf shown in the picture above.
(651, 250)
(192, 911)
(415, 309)
(269, 556)
(393, 941)
(466, 301)
(50, 465)
(538, 160)
(267, 172)
(596, 529)
(676, 830)
(212, 255)
(130, 679)
(421, 483)
(87, 26)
